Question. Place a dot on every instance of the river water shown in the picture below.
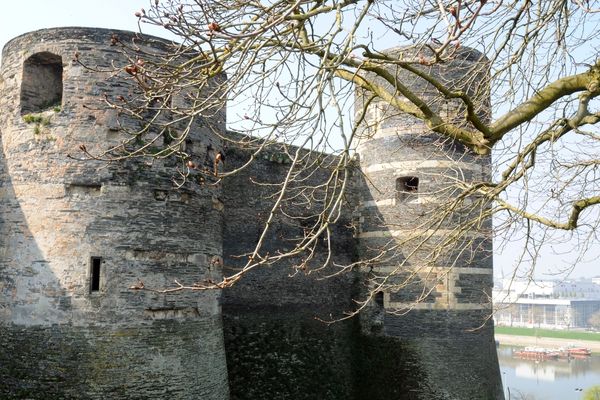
(546, 380)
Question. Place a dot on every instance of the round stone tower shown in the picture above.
(77, 237)
(430, 320)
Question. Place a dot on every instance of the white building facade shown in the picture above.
(546, 304)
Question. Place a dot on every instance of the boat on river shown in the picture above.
(537, 353)
(574, 351)
(542, 353)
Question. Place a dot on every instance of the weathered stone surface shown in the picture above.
(160, 359)
(449, 331)
(60, 219)
(57, 214)
(275, 347)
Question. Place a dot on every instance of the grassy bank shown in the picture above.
(535, 332)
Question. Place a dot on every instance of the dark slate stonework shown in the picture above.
(395, 368)
(287, 354)
(160, 359)
(449, 341)
(260, 339)
(275, 347)
(415, 144)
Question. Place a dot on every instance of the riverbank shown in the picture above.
(573, 335)
(517, 340)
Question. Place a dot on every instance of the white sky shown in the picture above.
(21, 16)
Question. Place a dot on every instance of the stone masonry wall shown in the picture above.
(63, 340)
(442, 316)
(57, 213)
(275, 347)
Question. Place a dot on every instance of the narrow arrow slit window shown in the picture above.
(95, 274)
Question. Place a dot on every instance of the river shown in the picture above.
(546, 380)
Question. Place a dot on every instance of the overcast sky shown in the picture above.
(21, 16)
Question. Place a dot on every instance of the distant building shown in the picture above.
(546, 304)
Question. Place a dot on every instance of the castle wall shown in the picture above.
(62, 337)
(75, 236)
(276, 349)
(436, 305)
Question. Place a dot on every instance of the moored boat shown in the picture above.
(537, 353)
(578, 351)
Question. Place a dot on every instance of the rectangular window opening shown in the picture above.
(406, 187)
(95, 274)
(379, 298)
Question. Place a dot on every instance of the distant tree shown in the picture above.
(594, 320)
(292, 68)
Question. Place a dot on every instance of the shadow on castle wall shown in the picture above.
(275, 345)
(122, 343)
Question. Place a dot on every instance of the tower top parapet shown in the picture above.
(81, 34)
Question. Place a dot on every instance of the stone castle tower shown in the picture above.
(75, 236)
(410, 173)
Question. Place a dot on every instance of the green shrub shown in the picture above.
(32, 118)
(39, 121)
